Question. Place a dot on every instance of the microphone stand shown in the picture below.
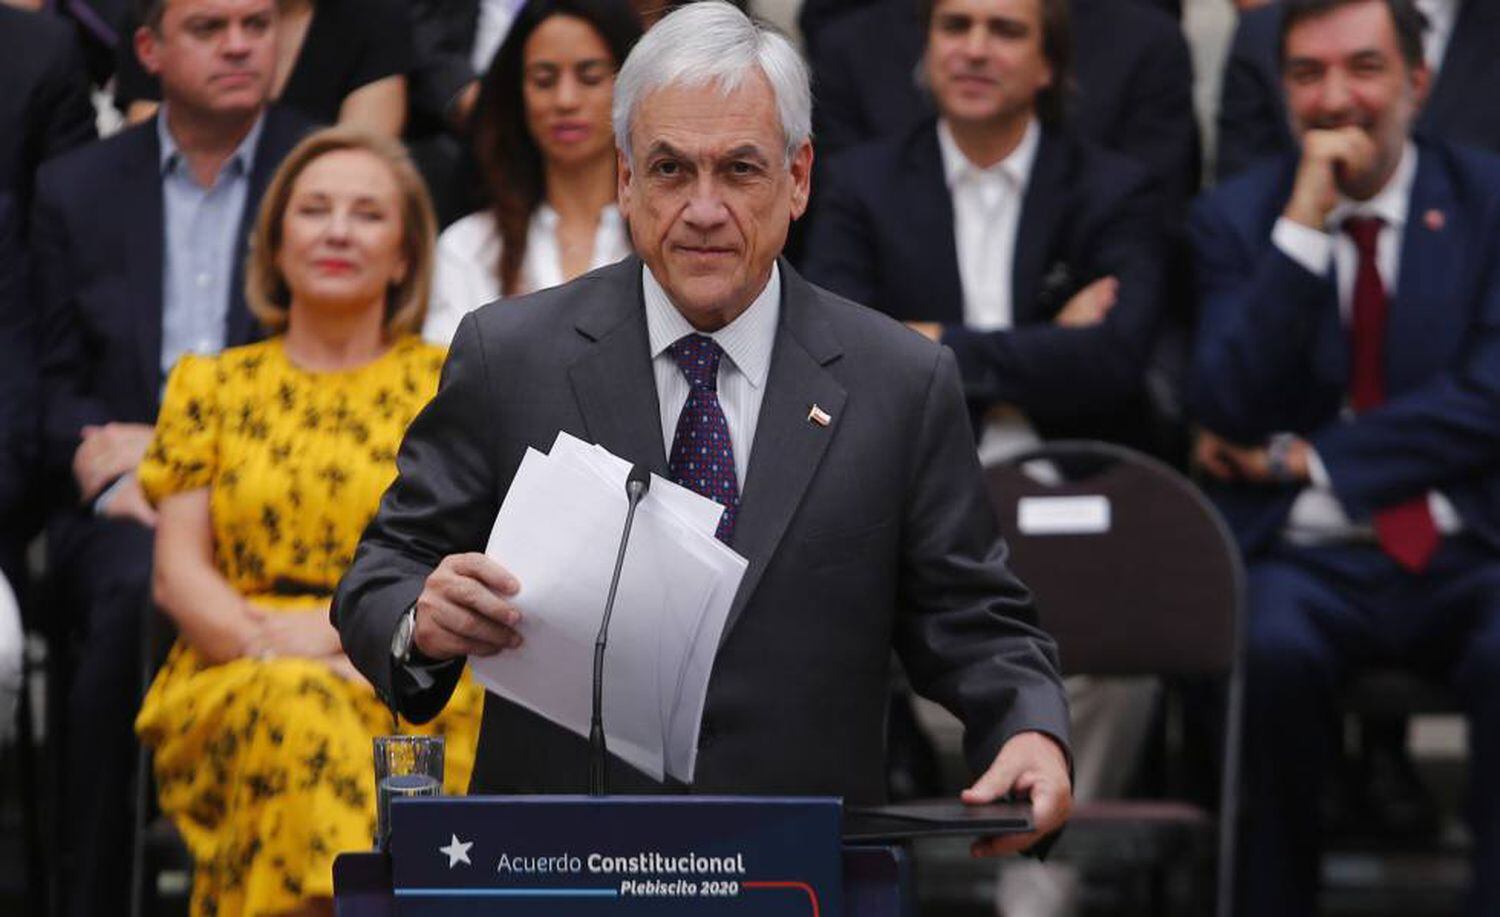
(636, 485)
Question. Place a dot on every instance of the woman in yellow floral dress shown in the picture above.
(267, 463)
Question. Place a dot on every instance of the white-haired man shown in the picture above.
(854, 491)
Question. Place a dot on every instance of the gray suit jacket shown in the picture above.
(871, 532)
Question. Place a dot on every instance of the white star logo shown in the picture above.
(457, 851)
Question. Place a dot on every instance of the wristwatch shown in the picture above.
(1278, 451)
(402, 642)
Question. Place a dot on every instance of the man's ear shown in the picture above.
(801, 169)
(622, 180)
(146, 50)
(1421, 84)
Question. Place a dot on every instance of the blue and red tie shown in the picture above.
(702, 456)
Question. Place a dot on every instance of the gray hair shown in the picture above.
(713, 42)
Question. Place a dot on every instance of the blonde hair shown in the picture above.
(266, 291)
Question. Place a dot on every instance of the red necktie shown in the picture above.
(1406, 531)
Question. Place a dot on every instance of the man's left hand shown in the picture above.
(1029, 764)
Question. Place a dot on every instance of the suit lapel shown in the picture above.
(613, 383)
(1041, 213)
(926, 213)
(788, 445)
(140, 190)
(1417, 326)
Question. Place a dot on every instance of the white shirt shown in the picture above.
(468, 252)
(1441, 15)
(747, 343)
(495, 17)
(986, 213)
(1317, 515)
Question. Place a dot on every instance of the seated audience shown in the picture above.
(1133, 75)
(1348, 368)
(1038, 258)
(544, 143)
(1459, 48)
(267, 463)
(137, 244)
(337, 62)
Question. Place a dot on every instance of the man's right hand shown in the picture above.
(106, 453)
(465, 609)
(1334, 158)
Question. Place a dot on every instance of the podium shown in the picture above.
(620, 856)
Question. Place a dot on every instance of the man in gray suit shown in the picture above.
(847, 469)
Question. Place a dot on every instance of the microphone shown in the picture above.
(636, 485)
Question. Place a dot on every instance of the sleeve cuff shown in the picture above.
(1311, 248)
(101, 502)
(1317, 472)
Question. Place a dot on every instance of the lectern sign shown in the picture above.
(616, 855)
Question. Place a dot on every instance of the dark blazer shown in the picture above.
(1132, 73)
(18, 413)
(870, 532)
(1272, 353)
(44, 108)
(97, 237)
(884, 236)
(1253, 121)
(443, 38)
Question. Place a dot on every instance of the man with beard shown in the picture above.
(1348, 366)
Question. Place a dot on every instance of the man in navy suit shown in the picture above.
(138, 243)
(1459, 46)
(1038, 258)
(1348, 366)
(1133, 76)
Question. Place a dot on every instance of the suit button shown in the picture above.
(706, 735)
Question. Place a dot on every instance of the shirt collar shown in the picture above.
(1016, 167)
(747, 340)
(240, 162)
(1391, 203)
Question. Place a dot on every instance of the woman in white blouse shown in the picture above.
(543, 140)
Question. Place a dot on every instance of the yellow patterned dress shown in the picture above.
(265, 765)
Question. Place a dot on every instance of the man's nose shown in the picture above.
(975, 41)
(705, 208)
(1336, 97)
(236, 40)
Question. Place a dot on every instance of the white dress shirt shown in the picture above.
(495, 17)
(747, 343)
(986, 214)
(1317, 516)
(468, 252)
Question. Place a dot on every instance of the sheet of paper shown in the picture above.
(558, 531)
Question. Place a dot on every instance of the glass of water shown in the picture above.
(404, 766)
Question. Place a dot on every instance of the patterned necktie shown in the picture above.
(1406, 531)
(702, 455)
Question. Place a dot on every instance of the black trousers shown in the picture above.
(100, 574)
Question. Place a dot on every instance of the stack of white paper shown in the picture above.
(558, 531)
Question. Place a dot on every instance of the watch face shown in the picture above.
(401, 642)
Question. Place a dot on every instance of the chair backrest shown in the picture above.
(1133, 570)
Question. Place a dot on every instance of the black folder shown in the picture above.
(934, 818)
